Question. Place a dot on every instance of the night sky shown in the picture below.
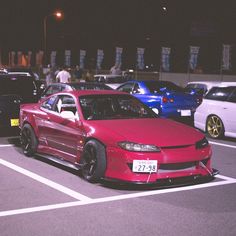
(105, 24)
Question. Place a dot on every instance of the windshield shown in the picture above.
(87, 86)
(162, 86)
(107, 107)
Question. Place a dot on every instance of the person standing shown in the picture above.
(78, 73)
(63, 76)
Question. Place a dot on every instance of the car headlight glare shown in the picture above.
(202, 143)
(136, 147)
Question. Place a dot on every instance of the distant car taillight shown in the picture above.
(165, 100)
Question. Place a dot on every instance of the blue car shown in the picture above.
(164, 97)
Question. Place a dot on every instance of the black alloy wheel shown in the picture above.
(28, 140)
(93, 161)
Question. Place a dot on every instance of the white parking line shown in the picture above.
(84, 200)
(117, 198)
(45, 181)
(6, 145)
(222, 144)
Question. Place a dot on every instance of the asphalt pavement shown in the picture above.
(39, 197)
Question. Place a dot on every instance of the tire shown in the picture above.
(93, 161)
(28, 140)
(214, 127)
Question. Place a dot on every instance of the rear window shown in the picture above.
(110, 80)
(18, 85)
(219, 93)
(162, 86)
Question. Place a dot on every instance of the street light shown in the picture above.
(57, 15)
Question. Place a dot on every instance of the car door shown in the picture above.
(63, 135)
(229, 108)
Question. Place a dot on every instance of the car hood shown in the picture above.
(156, 131)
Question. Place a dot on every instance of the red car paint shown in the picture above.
(64, 138)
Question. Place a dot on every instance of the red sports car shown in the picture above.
(112, 135)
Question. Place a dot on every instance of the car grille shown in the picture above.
(172, 167)
(175, 167)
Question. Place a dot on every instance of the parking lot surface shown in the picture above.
(39, 197)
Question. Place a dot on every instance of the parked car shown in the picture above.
(14, 90)
(58, 87)
(112, 135)
(168, 99)
(9, 110)
(110, 80)
(25, 72)
(202, 87)
(215, 115)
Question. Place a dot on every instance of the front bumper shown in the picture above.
(164, 183)
(184, 163)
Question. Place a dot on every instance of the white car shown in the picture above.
(110, 80)
(202, 87)
(216, 115)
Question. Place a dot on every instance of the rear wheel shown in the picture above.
(29, 140)
(93, 161)
(215, 127)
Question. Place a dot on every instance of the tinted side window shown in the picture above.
(219, 93)
(49, 103)
(233, 96)
(65, 103)
(127, 87)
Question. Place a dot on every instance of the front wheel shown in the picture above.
(28, 140)
(93, 161)
(214, 127)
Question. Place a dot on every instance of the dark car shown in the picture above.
(25, 72)
(9, 110)
(58, 87)
(15, 90)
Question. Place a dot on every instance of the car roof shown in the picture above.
(92, 92)
(107, 75)
(213, 82)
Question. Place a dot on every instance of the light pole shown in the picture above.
(57, 15)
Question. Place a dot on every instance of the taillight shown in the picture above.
(165, 100)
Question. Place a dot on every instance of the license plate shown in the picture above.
(185, 112)
(14, 122)
(144, 166)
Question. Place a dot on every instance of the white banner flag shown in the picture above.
(67, 57)
(165, 58)
(118, 61)
(100, 56)
(53, 59)
(226, 57)
(140, 58)
(82, 58)
(193, 57)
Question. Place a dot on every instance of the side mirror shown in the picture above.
(68, 115)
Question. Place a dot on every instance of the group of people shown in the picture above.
(62, 75)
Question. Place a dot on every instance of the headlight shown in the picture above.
(202, 143)
(136, 147)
